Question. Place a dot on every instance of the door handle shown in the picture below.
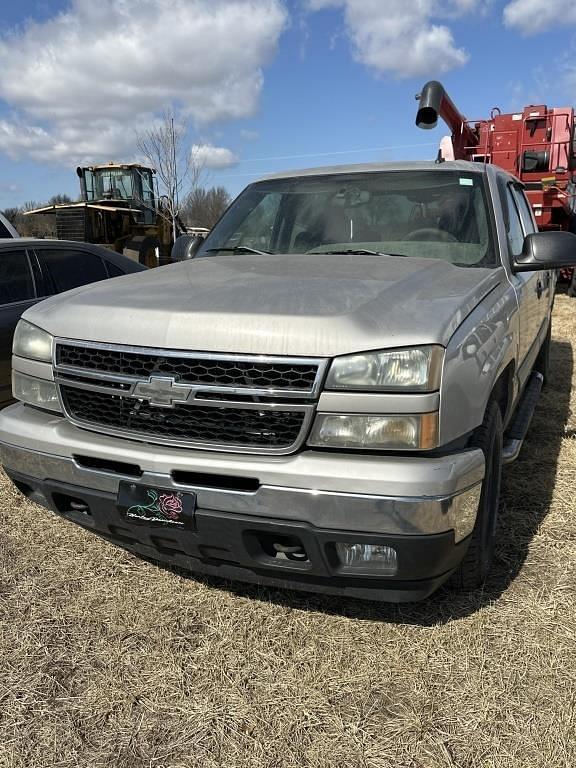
(539, 289)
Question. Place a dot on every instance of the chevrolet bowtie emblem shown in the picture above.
(162, 391)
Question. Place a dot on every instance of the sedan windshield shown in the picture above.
(434, 214)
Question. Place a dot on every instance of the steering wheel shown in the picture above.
(432, 234)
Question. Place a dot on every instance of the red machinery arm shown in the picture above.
(434, 102)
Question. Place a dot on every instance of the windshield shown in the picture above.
(112, 184)
(436, 214)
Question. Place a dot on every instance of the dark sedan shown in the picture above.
(31, 270)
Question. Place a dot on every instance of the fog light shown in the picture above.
(38, 392)
(373, 557)
(372, 432)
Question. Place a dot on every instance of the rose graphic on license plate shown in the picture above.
(162, 507)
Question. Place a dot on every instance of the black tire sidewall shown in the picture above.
(147, 255)
(476, 563)
(490, 495)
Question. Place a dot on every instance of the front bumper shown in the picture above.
(423, 508)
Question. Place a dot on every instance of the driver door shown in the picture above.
(532, 298)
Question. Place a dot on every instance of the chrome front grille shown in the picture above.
(239, 403)
(192, 369)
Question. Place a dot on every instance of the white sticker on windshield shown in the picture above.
(466, 182)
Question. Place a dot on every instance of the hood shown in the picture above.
(321, 305)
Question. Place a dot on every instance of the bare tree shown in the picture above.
(165, 148)
(12, 214)
(203, 207)
(60, 199)
(36, 225)
(31, 205)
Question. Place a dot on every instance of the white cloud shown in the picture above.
(318, 5)
(208, 156)
(532, 16)
(249, 135)
(82, 83)
(8, 187)
(567, 80)
(403, 37)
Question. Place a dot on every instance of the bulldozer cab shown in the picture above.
(128, 184)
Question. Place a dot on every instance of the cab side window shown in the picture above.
(514, 230)
(16, 283)
(524, 210)
(65, 269)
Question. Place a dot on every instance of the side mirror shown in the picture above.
(185, 247)
(546, 250)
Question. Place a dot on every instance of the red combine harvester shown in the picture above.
(538, 145)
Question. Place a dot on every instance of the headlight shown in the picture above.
(38, 392)
(417, 370)
(32, 342)
(419, 431)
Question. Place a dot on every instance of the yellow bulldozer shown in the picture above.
(119, 209)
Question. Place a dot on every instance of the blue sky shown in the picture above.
(265, 84)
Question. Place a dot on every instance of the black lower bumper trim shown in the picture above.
(267, 551)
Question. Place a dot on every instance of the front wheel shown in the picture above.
(143, 249)
(475, 566)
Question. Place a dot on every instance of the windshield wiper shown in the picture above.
(359, 252)
(240, 249)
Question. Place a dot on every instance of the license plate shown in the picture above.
(147, 504)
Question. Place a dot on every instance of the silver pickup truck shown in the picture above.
(322, 398)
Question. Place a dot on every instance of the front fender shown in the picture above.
(480, 349)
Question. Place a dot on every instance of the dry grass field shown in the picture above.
(109, 661)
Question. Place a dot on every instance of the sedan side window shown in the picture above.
(4, 231)
(113, 270)
(16, 283)
(66, 269)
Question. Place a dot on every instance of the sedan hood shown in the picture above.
(299, 304)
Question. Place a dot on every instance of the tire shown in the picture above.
(142, 248)
(475, 566)
(148, 251)
(542, 364)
